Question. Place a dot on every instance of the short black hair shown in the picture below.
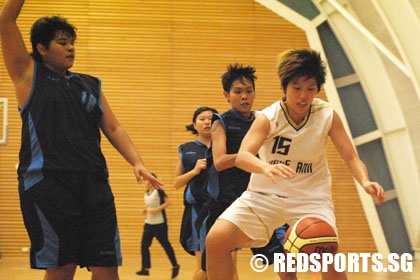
(196, 113)
(239, 72)
(46, 29)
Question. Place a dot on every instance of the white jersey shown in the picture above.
(153, 200)
(301, 147)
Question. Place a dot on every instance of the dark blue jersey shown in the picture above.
(190, 152)
(194, 195)
(227, 185)
(60, 126)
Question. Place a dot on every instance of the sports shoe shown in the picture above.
(175, 271)
(143, 272)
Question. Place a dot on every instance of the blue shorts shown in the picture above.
(71, 218)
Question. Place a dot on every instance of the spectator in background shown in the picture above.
(156, 226)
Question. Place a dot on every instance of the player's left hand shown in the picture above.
(375, 190)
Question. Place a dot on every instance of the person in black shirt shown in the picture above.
(66, 200)
(225, 181)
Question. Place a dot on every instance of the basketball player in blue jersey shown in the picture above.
(66, 200)
(191, 172)
(290, 177)
(226, 182)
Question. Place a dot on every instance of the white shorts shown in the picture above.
(258, 215)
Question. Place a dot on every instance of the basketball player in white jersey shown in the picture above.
(290, 176)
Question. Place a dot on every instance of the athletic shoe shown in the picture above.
(175, 271)
(143, 272)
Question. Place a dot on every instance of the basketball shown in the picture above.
(311, 235)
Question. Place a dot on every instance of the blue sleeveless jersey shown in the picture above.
(227, 185)
(190, 152)
(60, 126)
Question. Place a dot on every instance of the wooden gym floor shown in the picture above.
(18, 269)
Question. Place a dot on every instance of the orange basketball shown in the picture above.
(311, 235)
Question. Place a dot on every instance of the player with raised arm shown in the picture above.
(66, 200)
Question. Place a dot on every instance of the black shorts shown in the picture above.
(71, 218)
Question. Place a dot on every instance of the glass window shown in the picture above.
(337, 60)
(356, 107)
(373, 155)
(394, 227)
(304, 7)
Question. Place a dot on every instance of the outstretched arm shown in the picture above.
(18, 62)
(122, 142)
(354, 163)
